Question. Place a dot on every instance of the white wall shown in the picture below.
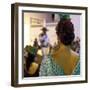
(76, 21)
(5, 45)
(30, 33)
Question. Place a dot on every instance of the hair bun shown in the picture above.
(65, 31)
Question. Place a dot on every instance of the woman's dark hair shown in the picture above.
(29, 60)
(65, 31)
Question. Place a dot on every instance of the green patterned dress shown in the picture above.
(50, 68)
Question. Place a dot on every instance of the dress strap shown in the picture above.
(76, 70)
